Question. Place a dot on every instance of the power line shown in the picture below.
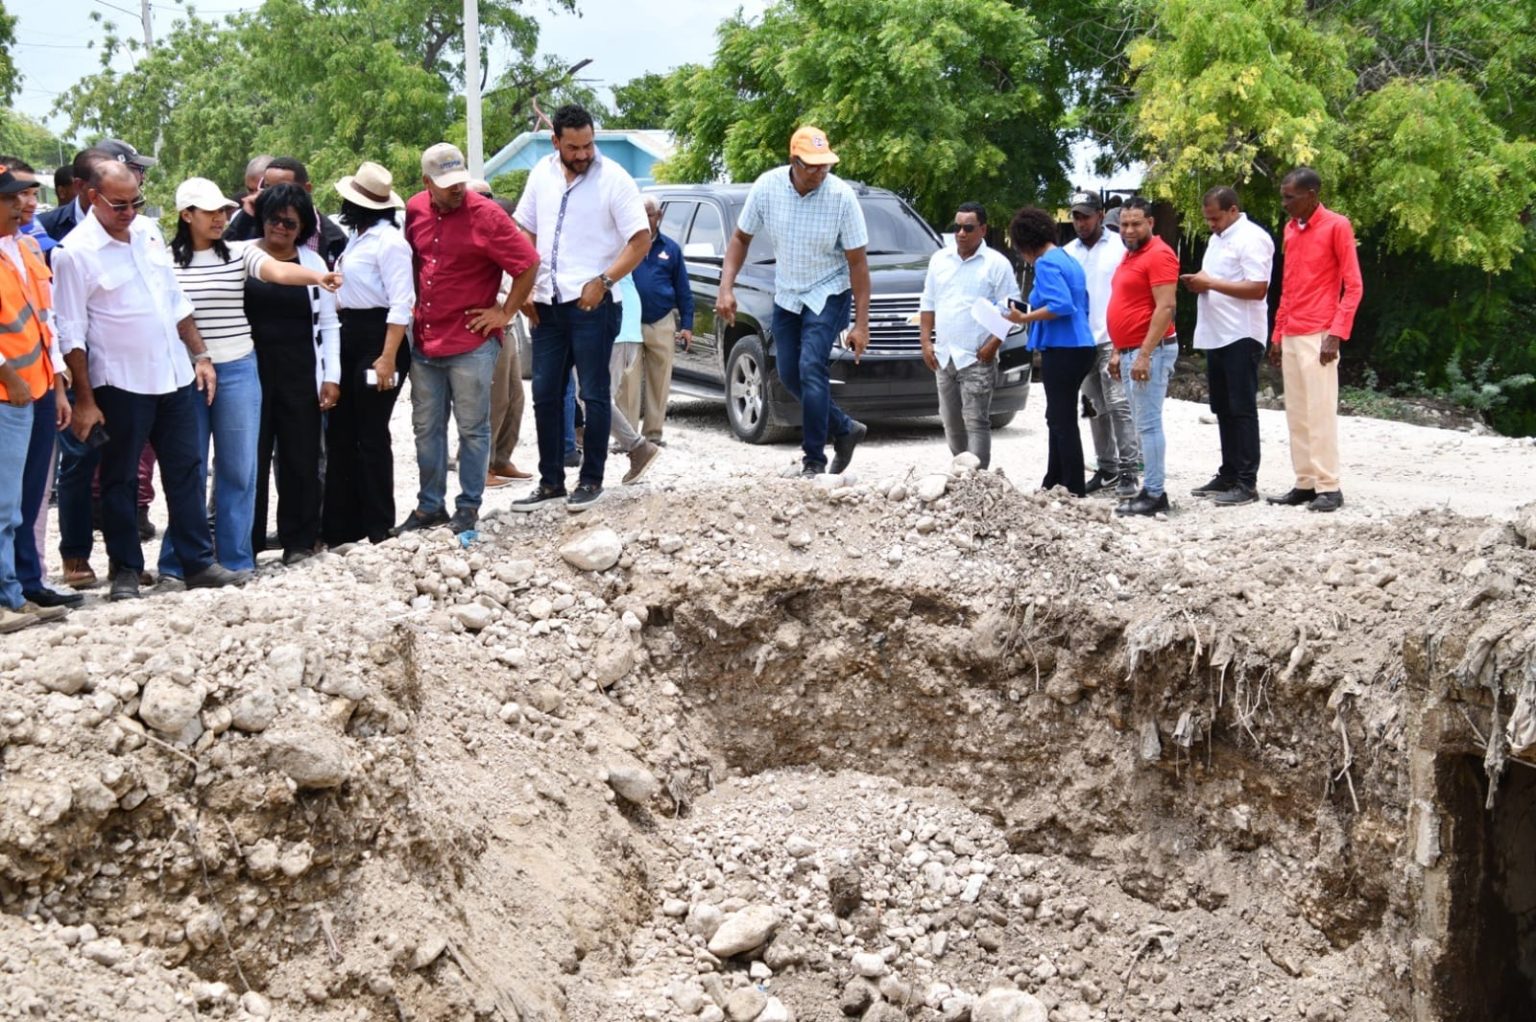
(115, 7)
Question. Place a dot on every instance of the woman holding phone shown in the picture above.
(376, 304)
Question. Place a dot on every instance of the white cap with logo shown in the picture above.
(201, 193)
(444, 164)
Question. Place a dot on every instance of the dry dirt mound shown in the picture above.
(926, 748)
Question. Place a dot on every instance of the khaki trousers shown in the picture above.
(643, 392)
(1311, 412)
(506, 402)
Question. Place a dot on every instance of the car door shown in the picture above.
(707, 232)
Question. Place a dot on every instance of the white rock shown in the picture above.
(428, 951)
(776, 1011)
(674, 908)
(453, 567)
(704, 919)
(1004, 1005)
(106, 951)
(799, 846)
(311, 758)
(759, 971)
(63, 675)
(799, 539)
(472, 616)
(964, 464)
(595, 549)
(670, 543)
(869, 965)
(169, 707)
(255, 710)
(633, 784)
(745, 1004)
(539, 608)
(744, 931)
(255, 1004)
(287, 665)
(932, 487)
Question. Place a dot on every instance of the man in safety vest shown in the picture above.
(27, 376)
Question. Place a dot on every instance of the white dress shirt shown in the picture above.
(376, 274)
(580, 227)
(1244, 251)
(952, 286)
(327, 325)
(120, 303)
(1099, 264)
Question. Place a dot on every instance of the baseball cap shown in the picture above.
(480, 185)
(1112, 219)
(201, 193)
(122, 152)
(444, 164)
(811, 146)
(1086, 202)
(10, 184)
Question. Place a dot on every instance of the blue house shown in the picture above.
(636, 151)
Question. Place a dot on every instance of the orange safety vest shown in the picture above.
(25, 307)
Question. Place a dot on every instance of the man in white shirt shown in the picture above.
(961, 352)
(126, 332)
(585, 216)
(1233, 324)
(1115, 444)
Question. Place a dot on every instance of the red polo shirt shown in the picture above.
(459, 257)
(1320, 285)
(1130, 293)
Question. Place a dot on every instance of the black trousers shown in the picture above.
(1232, 376)
(290, 421)
(1062, 372)
(360, 465)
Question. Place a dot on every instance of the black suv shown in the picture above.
(737, 363)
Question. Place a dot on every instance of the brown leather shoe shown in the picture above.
(78, 573)
(507, 470)
(492, 480)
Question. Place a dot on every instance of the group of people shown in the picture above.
(1100, 314)
(266, 336)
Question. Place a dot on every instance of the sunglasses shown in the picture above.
(123, 207)
(288, 223)
(964, 228)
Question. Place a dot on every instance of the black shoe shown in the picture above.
(1293, 498)
(1127, 485)
(125, 585)
(1329, 501)
(1236, 494)
(844, 445)
(1100, 480)
(421, 520)
(216, 576)
(1216, 486)
(573, 459)
(583, 497)
(541, 496)
(1144, 504)
(464, 520)
(146, 527)
(292, 557)
(51, 598)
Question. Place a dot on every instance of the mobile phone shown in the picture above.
(1014, 303)
(372, 378)
(97, 437)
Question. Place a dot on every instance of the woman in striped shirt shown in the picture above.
(212, 274)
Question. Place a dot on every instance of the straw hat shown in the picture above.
(372, 187)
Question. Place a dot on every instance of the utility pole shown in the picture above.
(149, 26)
(476, 139)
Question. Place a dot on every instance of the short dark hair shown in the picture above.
(359, 218)
(63, 177)
(1140, 202)
(300, 175)
(274, 200)
(1223, 197)
(1305, 178)
(16, 163)
(85, 161)
(1031, 230)
(571, 115)
(973, 207)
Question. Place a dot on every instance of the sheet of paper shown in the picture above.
(983, 312)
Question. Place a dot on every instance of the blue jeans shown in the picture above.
(1147, 409)
(460, 383)
(15, 437)
(34, 487)
(802, 343)
(233, 423)
(570, 417)
(568, 338)
(77, 468)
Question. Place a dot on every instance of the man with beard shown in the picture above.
(586, 217)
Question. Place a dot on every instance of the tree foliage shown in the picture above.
(24, 137)
(939, 100)
(10, 77)
(647, 101)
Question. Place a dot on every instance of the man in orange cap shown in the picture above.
(817, 228)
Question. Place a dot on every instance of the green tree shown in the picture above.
(508, 109)
(22, 136)
(939, 100)
(647, 101)
(10, 77)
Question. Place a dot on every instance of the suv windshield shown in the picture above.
(892, 230)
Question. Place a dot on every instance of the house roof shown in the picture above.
(655, 143)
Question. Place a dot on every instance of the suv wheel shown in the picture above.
(748, 406)
(1001, 419)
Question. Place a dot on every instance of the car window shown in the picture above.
(674, 219)
(894, 228)
(708, 230)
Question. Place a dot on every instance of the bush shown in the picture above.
(509, 185)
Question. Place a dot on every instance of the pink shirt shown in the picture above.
(1320, 285)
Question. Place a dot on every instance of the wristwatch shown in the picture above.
(606, 280)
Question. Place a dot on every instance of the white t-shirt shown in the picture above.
(581, 227)
(216, 289)
(1099, 264)
(1244, 251)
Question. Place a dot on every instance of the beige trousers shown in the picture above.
(1311, 412)
(643, 392)
(506, 402)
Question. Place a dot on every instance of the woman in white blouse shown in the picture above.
(376, 302)
(212, 275)
(298, 355)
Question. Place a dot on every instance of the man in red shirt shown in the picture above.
(1140, 322)
(1320, 290)
(460, 244)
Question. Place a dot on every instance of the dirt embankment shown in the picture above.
(918, 748)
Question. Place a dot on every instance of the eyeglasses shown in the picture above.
(287, 223)
(964, 228)
(123, 207)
